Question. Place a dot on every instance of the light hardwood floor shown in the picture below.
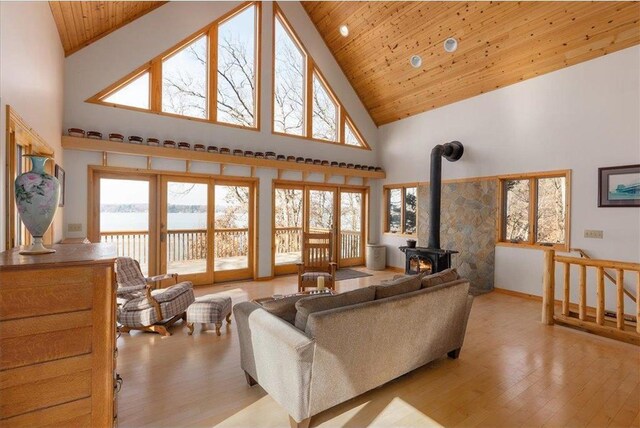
(513, 371)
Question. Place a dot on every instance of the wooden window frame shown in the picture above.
(533, 178)
(154, 68)
(386, 189)
(19, 133)
(310, 69)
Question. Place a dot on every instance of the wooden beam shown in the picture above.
(548, 294)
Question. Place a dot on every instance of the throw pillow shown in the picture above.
(399, 286)
(443, 277)
(309, 305)
(284, 308)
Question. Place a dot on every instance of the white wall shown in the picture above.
(93, 68)
(31, 81)
(580, 118)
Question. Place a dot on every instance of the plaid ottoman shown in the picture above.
(212, 308)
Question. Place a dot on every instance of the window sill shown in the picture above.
(556, 247)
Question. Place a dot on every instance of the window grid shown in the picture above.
(399, 222)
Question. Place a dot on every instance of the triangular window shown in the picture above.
(236, 77)
(184, 80)
(211, 76)
(351, 136)
(289, 82)
(325, 112)
(134, 93)
(303, 102)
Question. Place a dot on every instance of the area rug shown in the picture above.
(342, 274)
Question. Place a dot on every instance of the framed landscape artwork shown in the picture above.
(619, 186)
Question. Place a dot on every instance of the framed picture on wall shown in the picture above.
(60, 175)
(619, 186)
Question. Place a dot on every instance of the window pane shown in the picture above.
(288, 221)
(394, 213)
(551, 210)
(350, 137)
(231, 238)
(410, 204)
(320, 210)
(517, 210)
(184, 81)
(187, 227)
(236, 69)
(133, 94)
(288, 102)
(325, 112)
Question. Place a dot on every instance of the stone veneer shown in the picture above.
(468, 225)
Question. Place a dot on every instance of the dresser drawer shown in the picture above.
(69, 415)
(41, 339)
(45, 291)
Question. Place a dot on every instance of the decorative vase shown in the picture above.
(37, 197)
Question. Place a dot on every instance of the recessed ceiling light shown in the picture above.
(344, 30)
(416, 61)
(450, 45)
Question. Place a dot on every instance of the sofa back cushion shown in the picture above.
(443, 277)
(405, 284)
(284, 308)
(309, 305)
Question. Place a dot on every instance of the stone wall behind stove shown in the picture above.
(468, 225)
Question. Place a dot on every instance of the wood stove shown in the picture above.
(432, 259)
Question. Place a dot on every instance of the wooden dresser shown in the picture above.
(57, 337)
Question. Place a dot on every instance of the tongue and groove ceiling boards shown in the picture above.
(81, 23)
(498, 44)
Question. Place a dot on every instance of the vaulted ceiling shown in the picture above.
(499, 44)
(81, 23)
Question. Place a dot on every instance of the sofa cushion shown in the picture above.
(443, 277)
(284, 308)
(399, 286)
(309, 305)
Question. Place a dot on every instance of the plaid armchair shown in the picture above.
(141, 307)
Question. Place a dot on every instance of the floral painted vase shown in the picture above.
(37, 196)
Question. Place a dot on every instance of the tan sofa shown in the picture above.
(348, 350)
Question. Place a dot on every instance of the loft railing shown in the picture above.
(621, 327)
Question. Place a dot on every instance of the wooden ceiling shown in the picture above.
(499, 44)
(81, 23)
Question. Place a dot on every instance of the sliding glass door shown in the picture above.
(185, 241)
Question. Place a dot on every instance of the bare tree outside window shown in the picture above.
(551, 210)
(288, 212)
(350, 137)
(184, 81)
(320, 210)
(236, 69)
(394, 210)
(325, 112)
(410, 204)
(517, 210)
(289, 77)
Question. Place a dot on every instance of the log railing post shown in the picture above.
(566, 292)
(582, 311)
(620, 302)
(548, 282)
(600, 296)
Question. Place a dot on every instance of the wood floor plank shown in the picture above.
(513, 371)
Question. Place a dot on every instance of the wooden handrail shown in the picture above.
(623, 330)
(606, 274)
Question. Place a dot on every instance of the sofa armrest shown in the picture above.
(277, 355)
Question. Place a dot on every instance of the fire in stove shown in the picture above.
(419, 265)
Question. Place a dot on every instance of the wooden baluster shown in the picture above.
(638, 302)
(583, 293)
(600, 296)
(549, 278)
(620, 303)
(567, 294)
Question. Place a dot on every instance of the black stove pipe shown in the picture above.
(452, 152)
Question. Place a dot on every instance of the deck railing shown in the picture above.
(618, 326)
(350, 244)
(288, 240)
(134, 244)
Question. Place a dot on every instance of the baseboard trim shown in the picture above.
(518, 294)
(264, 278)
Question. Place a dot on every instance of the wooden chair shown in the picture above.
(142, 308)
(316, 261)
